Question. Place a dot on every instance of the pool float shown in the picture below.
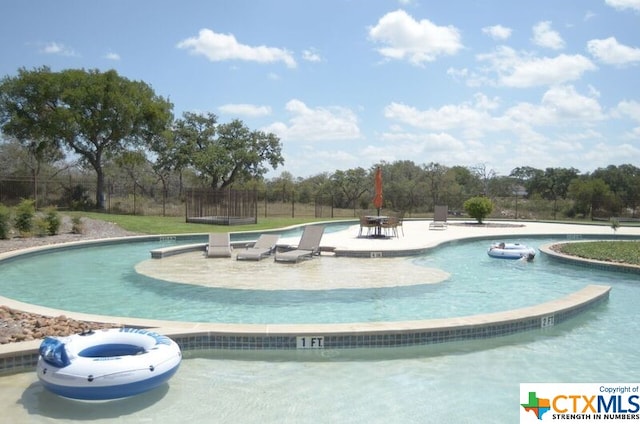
(511, 251)
(107, 364)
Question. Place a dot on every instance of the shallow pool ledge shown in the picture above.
(17, 357)
(387, 334)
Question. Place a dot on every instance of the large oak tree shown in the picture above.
(224, 153)
(97, 115)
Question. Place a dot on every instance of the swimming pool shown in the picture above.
(461, 382)
(102, 280)
(450, 383)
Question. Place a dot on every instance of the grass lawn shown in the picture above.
(610, 251)
(177, 225)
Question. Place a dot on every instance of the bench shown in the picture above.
(164, 252)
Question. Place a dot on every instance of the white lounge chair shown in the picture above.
(439, 218)
(264, 246)
(308, 246)
(219, 245)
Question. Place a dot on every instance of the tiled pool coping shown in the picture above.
(17, 357)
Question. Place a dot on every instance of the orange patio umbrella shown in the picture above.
(377, 199)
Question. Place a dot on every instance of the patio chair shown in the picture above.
(439, 218)
(219, 245)
(308, 246)
(390, 226)
(263, 247)
(366, 223)
(400, 220)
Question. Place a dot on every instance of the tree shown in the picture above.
(469, 185)
(133, 162)
(167, 160)
(22, 108)
(404, 183)
(350, 185)
(624, 182)
(226, 153)
(485, 176)
(282, 187)
(478, 207)
(527, 176)
(96, 114)
(437, 182)
(590, 195)
(555, 184)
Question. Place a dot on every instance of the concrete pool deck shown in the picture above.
(417, 239)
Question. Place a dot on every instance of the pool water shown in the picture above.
(465, 382)
(102, 280)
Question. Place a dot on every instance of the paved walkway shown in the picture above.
(417, 235)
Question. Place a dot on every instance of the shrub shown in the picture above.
(615, 224)
(5, 222)
(478, 208)
(76, 225)
(25, 212)
(53, 221)
(40, 226)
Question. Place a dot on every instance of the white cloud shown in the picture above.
(317, 124)
(57, 49)
(112, 56)
(559, 106)
(522, 70)
(544, 36)
(221, 47)
(611, 52)
(244, 109)
(630, 108)
(311, 55)
(465, 116)
(421, 41)
(497, 32)
(561, 128)
(624, 4)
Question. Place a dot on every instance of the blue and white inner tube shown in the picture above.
(107, 364)
(511, 251)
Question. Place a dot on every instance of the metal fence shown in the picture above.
(227, 207)
(125, 196)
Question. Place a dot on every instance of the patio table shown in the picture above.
(378, 220)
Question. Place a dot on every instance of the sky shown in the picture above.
(350, 83)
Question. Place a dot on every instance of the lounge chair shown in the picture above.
(308, 246)
(219, 245)
(439, 218)
(264, 246)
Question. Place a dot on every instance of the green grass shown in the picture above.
(610, 251)
(177, 225)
